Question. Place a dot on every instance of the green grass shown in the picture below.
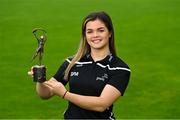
(147, 38)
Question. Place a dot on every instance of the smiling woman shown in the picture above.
(96, 76)
(97, 35)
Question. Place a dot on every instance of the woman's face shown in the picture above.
(97, 34)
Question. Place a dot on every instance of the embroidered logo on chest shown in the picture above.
(102, 78)
(74, 74)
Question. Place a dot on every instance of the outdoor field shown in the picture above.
(147, 34)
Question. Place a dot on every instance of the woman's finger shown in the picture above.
(48, 84)
(30, 72)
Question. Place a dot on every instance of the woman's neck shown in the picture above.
(99, 54)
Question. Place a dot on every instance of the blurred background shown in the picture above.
(147, 36)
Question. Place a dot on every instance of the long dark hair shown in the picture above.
(84, 47)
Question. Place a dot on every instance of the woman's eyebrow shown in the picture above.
(97, 28)
(89, 29)
(101, 27)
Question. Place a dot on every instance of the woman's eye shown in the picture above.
(101, 30)
(88, 31)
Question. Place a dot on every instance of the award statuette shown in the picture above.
(39, 71)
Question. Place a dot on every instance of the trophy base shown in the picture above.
(39, 73)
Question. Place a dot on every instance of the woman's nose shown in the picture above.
(95, 34)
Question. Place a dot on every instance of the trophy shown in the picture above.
(39, 71)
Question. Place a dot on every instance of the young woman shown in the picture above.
(96, 76)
